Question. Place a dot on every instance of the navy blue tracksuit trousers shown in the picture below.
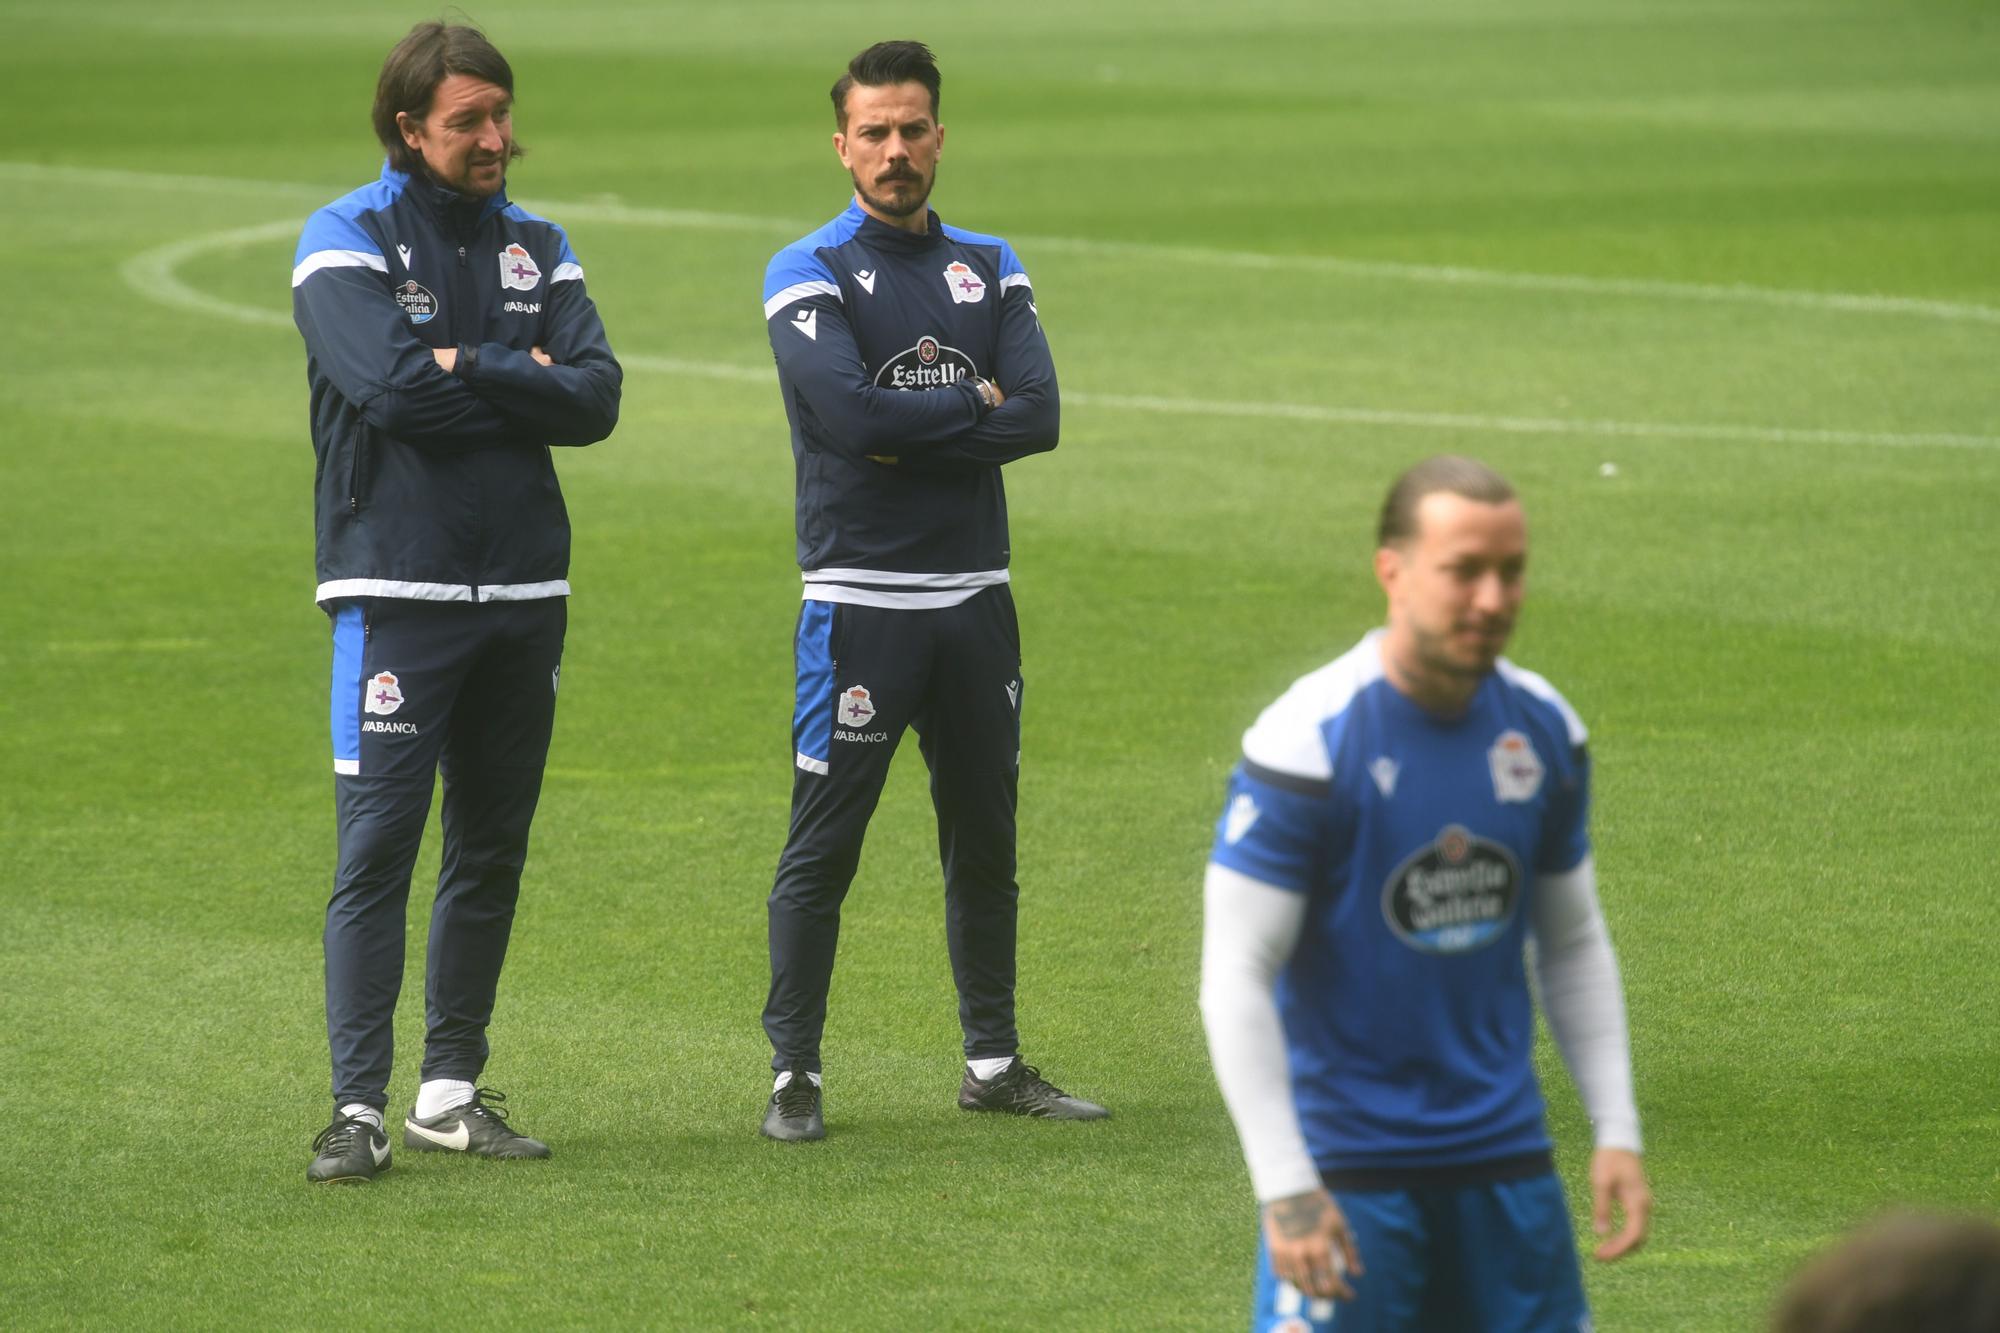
(468, 688)
(864, 674)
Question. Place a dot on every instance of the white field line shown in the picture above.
(1370, 416)
(1650, 288)
(613, 213)
(155, 274)
(706, 370)
(1664, 430)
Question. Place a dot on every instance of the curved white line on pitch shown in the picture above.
(614, 213)
(155, 274)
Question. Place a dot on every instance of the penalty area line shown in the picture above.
(155, 274)
(1511, 425)
(1371, 416)
(612, 212)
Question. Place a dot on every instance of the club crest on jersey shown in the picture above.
(1454, 896)
(927, 365)
(517, 269)
(856, 706)
(966, 287)
(383, 695)
(417, 302)
(1517, 769)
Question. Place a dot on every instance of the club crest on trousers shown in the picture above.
(856, 706)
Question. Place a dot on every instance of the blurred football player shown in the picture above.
(1404, 823)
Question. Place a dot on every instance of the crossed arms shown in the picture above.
(565, 392)
(942, 429)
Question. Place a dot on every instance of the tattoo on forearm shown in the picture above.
(1299, 1217)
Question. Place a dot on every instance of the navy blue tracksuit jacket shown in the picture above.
(878, 335)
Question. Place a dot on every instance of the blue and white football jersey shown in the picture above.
(1417, 841)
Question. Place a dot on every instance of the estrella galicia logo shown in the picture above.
(928, 365)
(417, 302)
(1454, 896)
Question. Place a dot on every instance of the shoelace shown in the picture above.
(796, 1097)
(339, 1136)
(478, 1106)
(1028, 1083)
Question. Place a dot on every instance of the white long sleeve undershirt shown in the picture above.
(1584, 1002)
(1249, 933)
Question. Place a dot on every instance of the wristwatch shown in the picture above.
(984, 388)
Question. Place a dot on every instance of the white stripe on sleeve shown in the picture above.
(320, 259)
(566, 273)
(799, 291)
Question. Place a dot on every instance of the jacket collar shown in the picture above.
(885, 237)
(460, 212)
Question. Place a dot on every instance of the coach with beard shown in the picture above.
(912, 365)
(449, 344)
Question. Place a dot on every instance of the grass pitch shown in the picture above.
(1744, 254)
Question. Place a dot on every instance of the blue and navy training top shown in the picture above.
(1417, 841)
(435, 485)
(879, 335)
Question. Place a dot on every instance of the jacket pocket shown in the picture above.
(357, 474)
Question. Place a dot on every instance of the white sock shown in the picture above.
(435, 1096)
(362, 1111)
(989, 1069)
(786, 1077)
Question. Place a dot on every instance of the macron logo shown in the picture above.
(403, 253)
(807, 322)
(1242, 814)
(866, 277)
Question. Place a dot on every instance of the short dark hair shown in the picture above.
(1446, 472)
(413, 71)
(885, 64)
(1927, 1271)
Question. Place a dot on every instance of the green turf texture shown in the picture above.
(1785, 645)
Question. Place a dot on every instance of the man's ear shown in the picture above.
(1388, 566)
